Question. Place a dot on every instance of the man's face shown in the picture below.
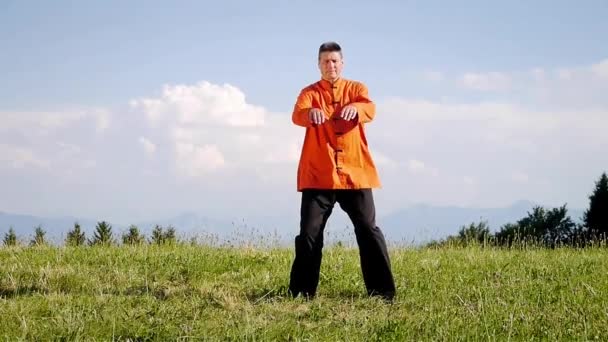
(330, 65)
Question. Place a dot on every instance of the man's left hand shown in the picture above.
(349, 112)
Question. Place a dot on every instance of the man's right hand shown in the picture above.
(316, 116)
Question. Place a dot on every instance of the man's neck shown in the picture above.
(332, 81)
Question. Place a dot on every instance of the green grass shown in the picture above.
(222, 293)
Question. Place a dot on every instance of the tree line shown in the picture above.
(103, 235)
(544, 227)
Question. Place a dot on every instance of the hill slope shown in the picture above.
(190, 292)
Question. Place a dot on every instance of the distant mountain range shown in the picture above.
(412, 225)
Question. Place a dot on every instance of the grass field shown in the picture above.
(187, 292)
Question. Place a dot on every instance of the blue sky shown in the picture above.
(102, 53)
(455, 83)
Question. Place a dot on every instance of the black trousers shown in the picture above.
(316, 207)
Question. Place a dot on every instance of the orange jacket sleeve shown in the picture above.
(366, 108)
(301, 109)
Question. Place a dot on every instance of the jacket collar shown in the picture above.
(327, 85)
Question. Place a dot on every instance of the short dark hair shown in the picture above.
(330, 47)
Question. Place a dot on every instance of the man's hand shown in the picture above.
(348, 112)
(316, 116)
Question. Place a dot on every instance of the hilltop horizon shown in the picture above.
(413, 223)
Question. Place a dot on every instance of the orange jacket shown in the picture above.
(335, 154)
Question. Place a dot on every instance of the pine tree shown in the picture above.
(548, 227)
(133, 237)
(479, 233)
(158, 236)
(75, 237)
(595, 218)
(39, 238)
(169, 236)
(103, 234)
(10, 238)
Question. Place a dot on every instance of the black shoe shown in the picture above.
(306, 295)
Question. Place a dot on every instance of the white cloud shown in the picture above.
(213, 127)
(20, 157)
(601, 69)
(69, 149)
(520, 177)
(249, 138)
(48, 120)
(286, 153)
(469, 180)
(490, 118)
(490, 81)
(89, 164)
(575, 87)
(103, 119)
(415, 165)
(419, 167)
(196, 160)
(478, 145)
(202, 104)
(538, 74)
(565, 74)
(43, 122)
(68, 158)
(501, 123)
(148, 146)
(50, 140)
(380, 159)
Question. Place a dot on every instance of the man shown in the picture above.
(336, 166)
